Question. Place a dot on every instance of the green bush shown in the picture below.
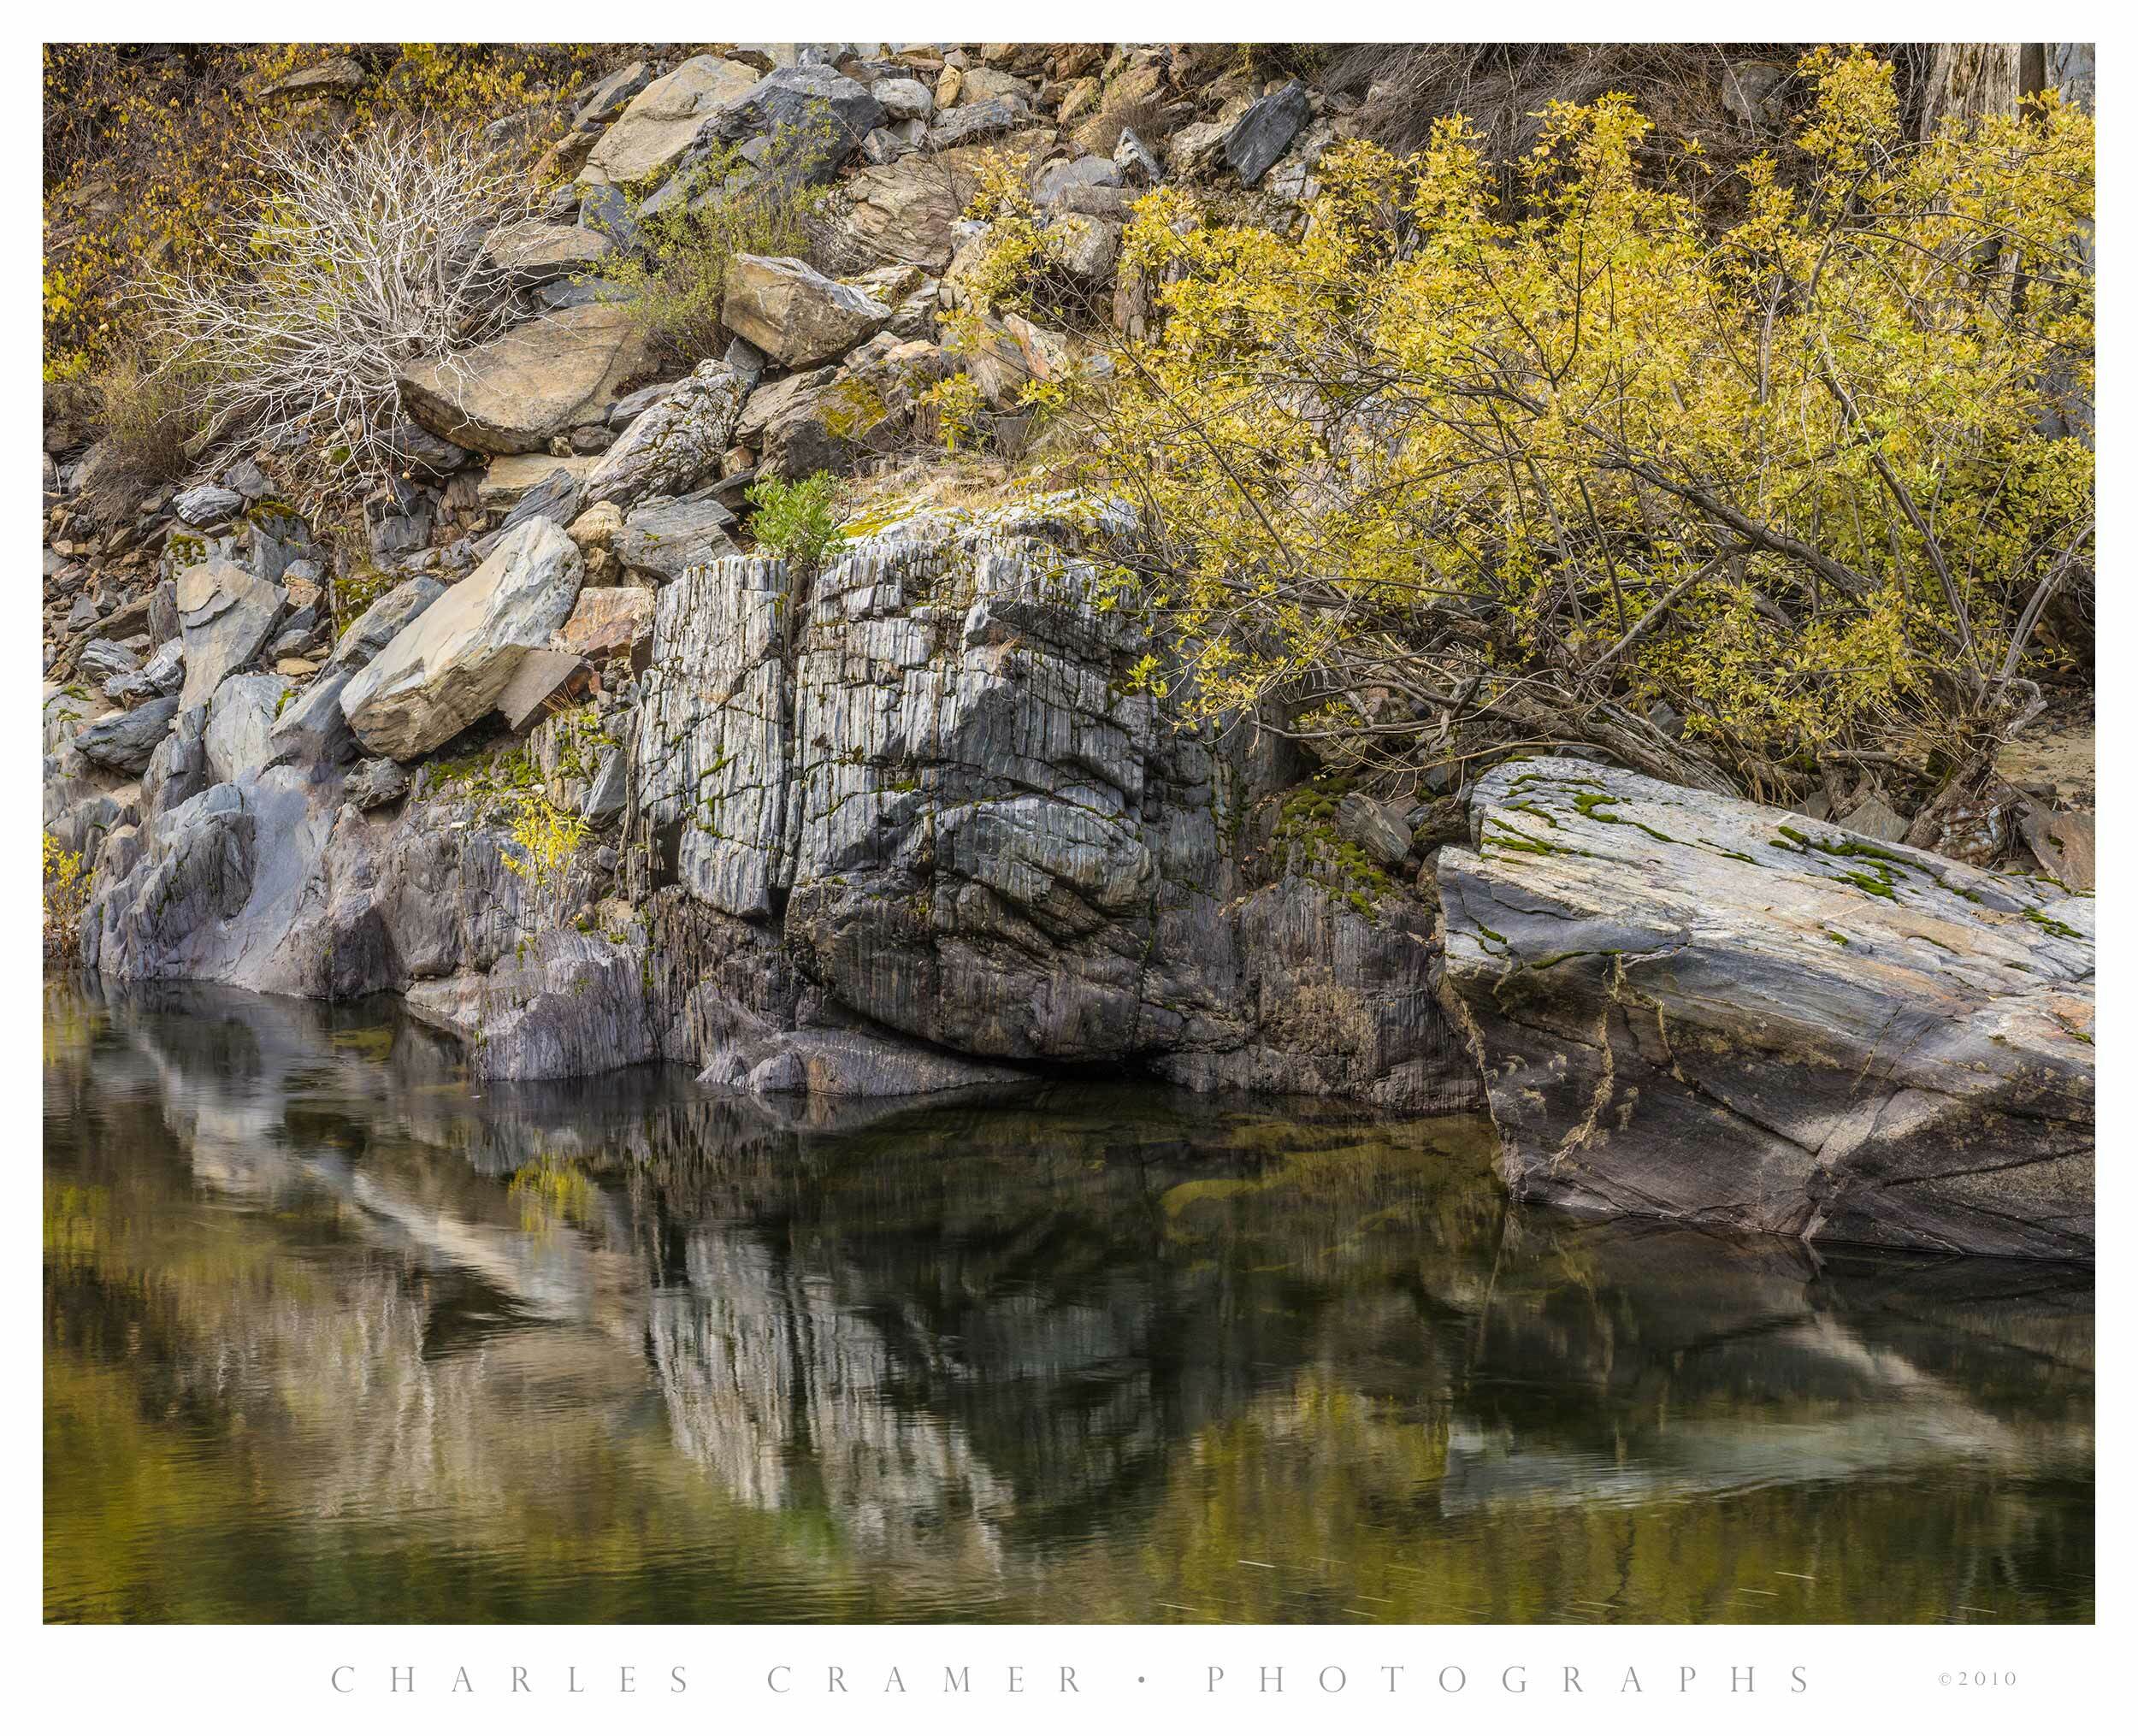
(674, 278)
(800, 522)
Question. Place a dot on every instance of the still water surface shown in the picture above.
(333, 1335)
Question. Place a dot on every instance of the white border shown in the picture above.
(177, 1679)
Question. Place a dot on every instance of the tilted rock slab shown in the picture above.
(451, 664)
(226, 617)
(796, 316)
(675, 443)
(663, 120)
(515, 393)
(1691, 1007)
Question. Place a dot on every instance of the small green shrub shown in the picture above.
(673, 279)
(800, 521)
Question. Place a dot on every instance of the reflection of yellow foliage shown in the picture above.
(551, 1190)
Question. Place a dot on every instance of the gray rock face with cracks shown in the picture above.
(924, 777)
(1691, 1007)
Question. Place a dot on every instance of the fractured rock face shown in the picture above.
(946, 804)
(675, 443)
(1692, 1007)
(452, 663)
(712, 737)
(515, 393)
(239, 719)
(661, 538)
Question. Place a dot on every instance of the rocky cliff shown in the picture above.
(900, 826)
(1687, 1007)
(903, 821)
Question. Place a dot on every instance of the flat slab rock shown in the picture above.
(1691, 1007)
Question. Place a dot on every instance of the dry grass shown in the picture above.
(149, 413)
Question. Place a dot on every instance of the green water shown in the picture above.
(331, 1335)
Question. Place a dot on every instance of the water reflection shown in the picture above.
(332, 1336)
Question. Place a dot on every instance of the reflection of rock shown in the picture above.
(761, 1367)
(568, 1005)
(940, 1342)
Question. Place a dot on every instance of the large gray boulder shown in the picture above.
(241, 718)
(809, 119)
(675, 443)
(795, 315)
(518, 391)
(664, 120)
(1266, 130)
(449, 665)
(123, 741)
(1692, 1007)
(226, 616)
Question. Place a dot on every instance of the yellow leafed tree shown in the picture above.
(1586, 459)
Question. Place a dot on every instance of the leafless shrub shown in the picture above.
(353, 258)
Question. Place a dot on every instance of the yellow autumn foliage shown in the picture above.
(1563, 457)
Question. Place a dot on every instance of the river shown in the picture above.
(332, 1334)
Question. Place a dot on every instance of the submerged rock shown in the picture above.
(1691, 1007)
